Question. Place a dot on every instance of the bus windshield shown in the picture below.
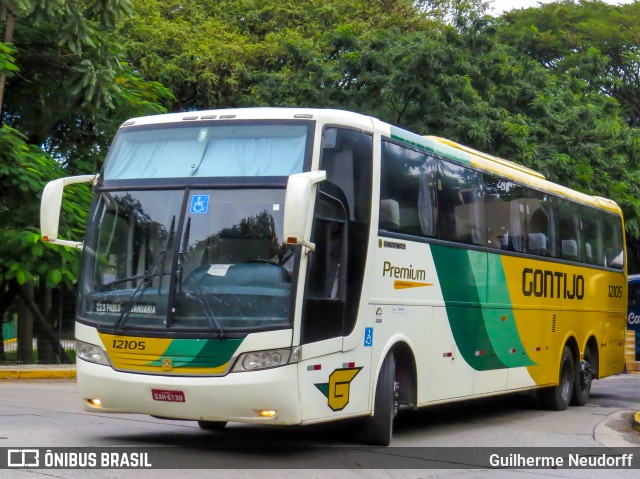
(183, 151)
(211, 261)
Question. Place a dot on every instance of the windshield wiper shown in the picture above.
(142, 276)
(142, 286)
(204, 304)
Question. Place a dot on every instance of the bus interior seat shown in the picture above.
(537, 243)
(588, 252)
(389, 215)
(410, 220)
(570, 249)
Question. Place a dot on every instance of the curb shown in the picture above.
(19, 373)
(636, 421)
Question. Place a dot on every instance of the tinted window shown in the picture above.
(569, 230)
(504, 211)
(461, 204)
(539, 224)
(592, 236)
(614, 253)
(408, 191)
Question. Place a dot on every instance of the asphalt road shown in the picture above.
(47, 414)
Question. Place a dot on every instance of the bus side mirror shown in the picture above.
(298, 207)
(50, 208)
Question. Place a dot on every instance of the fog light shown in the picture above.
(267, 413)
(95, 402)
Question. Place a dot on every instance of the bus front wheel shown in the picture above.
(557, 398)
(379, 427)
(212, 425)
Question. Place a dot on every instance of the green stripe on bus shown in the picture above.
(423, 143)
(503, 332)
(464, 309)
(199, 353)
(487, 338)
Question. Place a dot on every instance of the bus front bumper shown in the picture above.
(238, 397)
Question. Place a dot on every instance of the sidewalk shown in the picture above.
(38, 371)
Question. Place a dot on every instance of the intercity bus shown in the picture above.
(297, 266)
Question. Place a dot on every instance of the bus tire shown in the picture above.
(212, 425)
(557, 398)
(379, 427)
(583, 379)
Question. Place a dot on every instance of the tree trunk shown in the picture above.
(25, 326)
(46, 353)
(8, 38)
(45, 329)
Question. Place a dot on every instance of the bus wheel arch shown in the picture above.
(406, 374)
(586, 371)
(557, 398)
(396, 384)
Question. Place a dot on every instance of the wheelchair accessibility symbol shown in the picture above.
(368, 337)
(199, 204)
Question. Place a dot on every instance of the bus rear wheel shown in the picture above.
(379, 427)
(557, 398)
(212, 425)
(583, 379)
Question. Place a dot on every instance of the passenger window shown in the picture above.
(461, 204)
(503, 208)
(540, 237)
(614, 253)
(408, 191)
(569, 231)
(592, 236)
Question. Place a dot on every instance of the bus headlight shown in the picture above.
(91, 353)
(272, 358)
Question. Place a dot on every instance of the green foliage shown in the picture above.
(73, 90)
(591, 40)
(538, 86)
(7, 59)
(24, 171)
(69, 95)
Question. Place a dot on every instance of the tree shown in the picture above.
(434, 67)
(215, 54)
(66, 92)
(72, 87)
(592, 40)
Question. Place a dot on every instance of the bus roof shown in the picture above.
(442, 146)
(272, 113)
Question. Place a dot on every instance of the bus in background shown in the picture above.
(633, 318)
(297, 266)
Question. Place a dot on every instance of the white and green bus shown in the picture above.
(297, 266)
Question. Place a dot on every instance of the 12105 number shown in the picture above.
(126, 344)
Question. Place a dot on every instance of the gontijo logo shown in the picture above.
(407, 277)
(543, 283)
(338, 388)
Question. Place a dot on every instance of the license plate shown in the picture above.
(169, 396)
